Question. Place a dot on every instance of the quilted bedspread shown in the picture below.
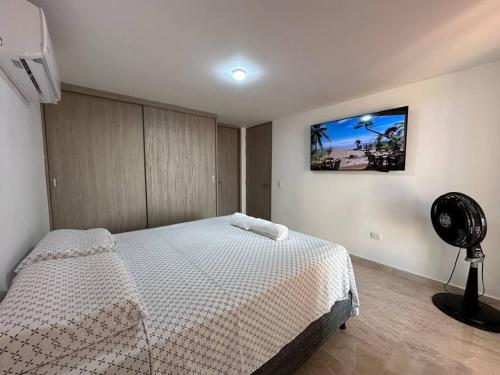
(213, 299)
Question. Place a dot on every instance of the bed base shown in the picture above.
(295, 353)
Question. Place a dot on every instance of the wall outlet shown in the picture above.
(375, 236)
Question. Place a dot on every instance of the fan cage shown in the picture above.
(471, 212)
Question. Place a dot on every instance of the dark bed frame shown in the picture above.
(296, 352)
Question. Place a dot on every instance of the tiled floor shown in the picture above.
(400, 331)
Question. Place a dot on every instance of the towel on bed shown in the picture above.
(277, 232)
(241, 221)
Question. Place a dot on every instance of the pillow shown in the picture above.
(68, 243)
(61, 306)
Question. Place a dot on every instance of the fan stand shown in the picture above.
(467, 308)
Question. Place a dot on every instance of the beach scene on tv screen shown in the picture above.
(367, 142)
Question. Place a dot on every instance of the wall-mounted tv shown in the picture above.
(373, 141)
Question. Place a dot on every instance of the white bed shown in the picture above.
(215, 299)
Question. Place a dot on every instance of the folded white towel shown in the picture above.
(240, 220)
(277, 232)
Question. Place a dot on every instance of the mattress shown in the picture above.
(213, 299)
(223, 300)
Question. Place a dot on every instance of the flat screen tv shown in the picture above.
(372, 141)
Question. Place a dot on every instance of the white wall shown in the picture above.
(453, 145)
(24, 216)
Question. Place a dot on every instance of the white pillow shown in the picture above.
(69, 243)
(61, 306)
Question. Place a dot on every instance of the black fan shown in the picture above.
(460, 221)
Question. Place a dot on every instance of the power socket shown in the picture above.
(375, 236)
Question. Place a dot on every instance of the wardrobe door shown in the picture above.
(96, 163)
(180, 166)
(228, 170)
(258, 165)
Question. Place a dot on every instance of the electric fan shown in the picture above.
(460, 221)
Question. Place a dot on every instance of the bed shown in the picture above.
(213, 299)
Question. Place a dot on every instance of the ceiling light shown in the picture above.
(239, 74)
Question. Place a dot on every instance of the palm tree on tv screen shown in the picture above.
(366, 121)
(317, 133)
(378, 143)
(394, 133)
(395, 136)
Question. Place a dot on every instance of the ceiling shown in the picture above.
(299, 54)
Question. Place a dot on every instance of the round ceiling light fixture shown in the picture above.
(239, 74)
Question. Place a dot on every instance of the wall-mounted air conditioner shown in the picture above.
(26, 54)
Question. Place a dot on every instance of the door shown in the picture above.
(95, 153)
(258, 170)
(228, 169)
(180, 166)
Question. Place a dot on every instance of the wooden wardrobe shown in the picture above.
(180, 166)
(124, 163)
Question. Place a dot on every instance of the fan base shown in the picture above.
(484, 317)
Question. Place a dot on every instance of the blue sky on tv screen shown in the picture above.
(343, 135)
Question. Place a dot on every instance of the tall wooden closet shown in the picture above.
(124, 163)
(180, 166)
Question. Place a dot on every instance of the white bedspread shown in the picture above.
(209, 298)
(60, 312)
(223, 300)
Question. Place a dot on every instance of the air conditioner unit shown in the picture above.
(26, 53)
